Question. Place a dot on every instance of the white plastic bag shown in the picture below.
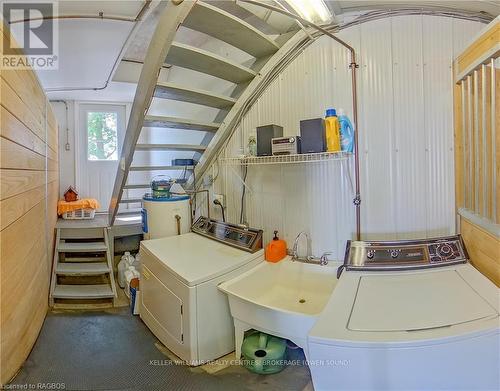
(123, 265)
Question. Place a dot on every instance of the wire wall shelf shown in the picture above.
(285, 159)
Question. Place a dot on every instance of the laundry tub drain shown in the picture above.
(263, 353)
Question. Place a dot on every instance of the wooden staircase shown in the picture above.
(164, 50)
(82, 270)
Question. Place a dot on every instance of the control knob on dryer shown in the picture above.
(394, 253)
(445, 250)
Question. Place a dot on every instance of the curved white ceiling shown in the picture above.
(89, 48)
(123, 9)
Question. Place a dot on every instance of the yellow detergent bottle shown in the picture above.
(332, 130)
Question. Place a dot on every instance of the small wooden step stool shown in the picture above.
(82, 270)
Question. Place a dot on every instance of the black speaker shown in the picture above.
(264, 136)
(183, 162)
(312, 135)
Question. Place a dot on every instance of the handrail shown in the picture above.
(172, 16)
(476, 78)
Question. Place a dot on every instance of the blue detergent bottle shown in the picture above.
(346, 132)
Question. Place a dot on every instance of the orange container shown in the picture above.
(276, 249)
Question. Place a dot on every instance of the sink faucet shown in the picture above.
(309, 258)
(295, 248)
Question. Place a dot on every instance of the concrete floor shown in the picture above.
(113, 350)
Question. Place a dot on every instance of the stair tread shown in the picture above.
(83, 291)
(222, 25)
(82, 268)
(200, 60)
(193, 95)
(68, 260)
(158, 121)
(138, 185)
(160, 168)
(82, 247)
(131, 211)
(130, 200)
(180, 181)
(170, 147)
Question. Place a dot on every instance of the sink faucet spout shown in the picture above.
(295, 249)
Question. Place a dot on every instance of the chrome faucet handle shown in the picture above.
(323, 260)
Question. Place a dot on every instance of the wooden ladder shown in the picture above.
(82, 269)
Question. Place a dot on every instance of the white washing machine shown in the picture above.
(180, 301)
(408, 315)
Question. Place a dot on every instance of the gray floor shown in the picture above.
(113, 350)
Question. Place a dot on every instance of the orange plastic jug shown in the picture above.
(276, 249)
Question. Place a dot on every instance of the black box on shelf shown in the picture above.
(264, 136)
(183, 162)
(312, 134)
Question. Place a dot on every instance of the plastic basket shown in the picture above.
(79, 214)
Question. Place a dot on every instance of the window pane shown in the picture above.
(102, 136)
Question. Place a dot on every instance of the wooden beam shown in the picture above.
(487, 45)
(483, 248)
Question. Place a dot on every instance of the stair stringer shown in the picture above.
(163, 37)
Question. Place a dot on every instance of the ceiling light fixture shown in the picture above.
(314, 11)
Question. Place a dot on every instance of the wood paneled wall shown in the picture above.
(474, 187)
(477, 110)
(28, 200)
(483, 248)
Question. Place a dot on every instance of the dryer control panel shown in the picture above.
(239, 236)
(404, 254)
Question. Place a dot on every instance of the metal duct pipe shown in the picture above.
(138, 18)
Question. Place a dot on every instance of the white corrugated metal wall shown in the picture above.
(406, 144)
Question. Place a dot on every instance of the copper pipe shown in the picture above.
(353, 66)
(101, 16)
(357, 196)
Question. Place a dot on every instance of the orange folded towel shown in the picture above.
(85, 203)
